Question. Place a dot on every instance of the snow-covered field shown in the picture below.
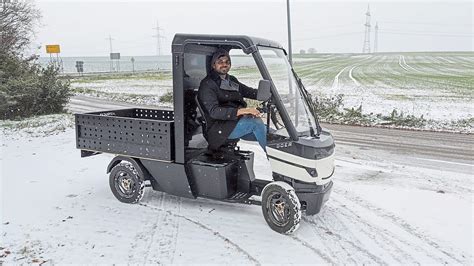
(144, 89)
(57, 208)
(438, 86)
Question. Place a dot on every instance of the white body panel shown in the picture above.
(324, 167)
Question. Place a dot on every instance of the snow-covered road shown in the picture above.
(385, 209)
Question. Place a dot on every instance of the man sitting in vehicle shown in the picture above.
(221, 96)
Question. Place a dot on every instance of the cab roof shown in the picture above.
(246, 43)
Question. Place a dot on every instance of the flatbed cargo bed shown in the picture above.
(133, 132)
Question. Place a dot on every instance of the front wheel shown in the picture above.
(125, 183)
(281, 207)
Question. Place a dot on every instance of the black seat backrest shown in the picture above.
(202, 118)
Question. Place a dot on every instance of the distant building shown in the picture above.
(302, 51)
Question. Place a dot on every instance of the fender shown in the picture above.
(135, 162)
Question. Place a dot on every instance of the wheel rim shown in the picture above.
(278, 209)
(124, 184)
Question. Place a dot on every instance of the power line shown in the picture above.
(423, 31)
(329, 36)
(428, 34)
(427, 23)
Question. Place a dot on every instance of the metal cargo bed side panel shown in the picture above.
(129, 136)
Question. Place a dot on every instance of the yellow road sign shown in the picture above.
(53, 49)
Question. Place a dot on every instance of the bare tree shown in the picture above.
(18, 19)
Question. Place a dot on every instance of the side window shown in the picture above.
(194, 70)
(246, 71)
(244, 68)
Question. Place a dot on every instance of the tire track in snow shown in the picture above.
(346, 240)
(371, 234)
(409, 229)
(164, 247)
(363, 61)
(391, 237)
(215, 233)
(328, 229)
(400, 63)
(352, 77)
(334, 253)
(315, 250)
(335, 83)
(375, 232)
(156, 243)
(408, 66)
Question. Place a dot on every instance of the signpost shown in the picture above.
(80, 67)
(54, 49)
(133, 65)
(116, 57)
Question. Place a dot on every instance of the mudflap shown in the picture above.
(313, 201)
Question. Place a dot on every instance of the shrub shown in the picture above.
(399, 119)
(329, 108)
(167, 97)
(355, 116)
(28, 90)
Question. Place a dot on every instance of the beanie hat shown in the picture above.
(218, 54)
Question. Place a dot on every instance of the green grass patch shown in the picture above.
(398, 97)
(167, 97)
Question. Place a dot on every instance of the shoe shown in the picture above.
(215, 154)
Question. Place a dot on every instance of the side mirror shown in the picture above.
(264, 92)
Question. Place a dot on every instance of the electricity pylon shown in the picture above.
(366, 47)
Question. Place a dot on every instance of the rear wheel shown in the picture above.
(281, 207)
(125, 183)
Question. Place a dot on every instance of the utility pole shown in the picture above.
(366, 47)
(376, 41)
(158, 38)
(290, 59)
(110, 42)
(111, 62)
(290, 56)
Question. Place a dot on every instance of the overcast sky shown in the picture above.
(82, 27)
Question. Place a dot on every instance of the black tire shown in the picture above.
(125, 183)
(281, 207)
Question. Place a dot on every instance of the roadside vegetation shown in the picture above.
(26, 88)
(332, 110)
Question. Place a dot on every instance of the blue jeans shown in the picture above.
(252, 129)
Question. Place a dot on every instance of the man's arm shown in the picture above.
(208, 99)
(246, 91)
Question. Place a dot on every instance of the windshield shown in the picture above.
(287, 87)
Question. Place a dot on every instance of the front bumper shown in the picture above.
(314, 200)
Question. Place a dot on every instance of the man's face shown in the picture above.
(222, 65)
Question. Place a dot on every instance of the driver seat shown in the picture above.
(229, 145)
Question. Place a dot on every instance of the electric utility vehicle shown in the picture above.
(167, 150)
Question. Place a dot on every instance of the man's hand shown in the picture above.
(249, 111)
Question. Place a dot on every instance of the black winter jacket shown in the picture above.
(220, 106)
